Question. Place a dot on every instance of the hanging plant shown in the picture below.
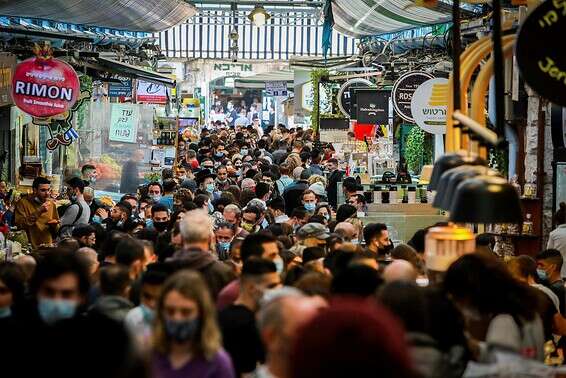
(86, 85)
(317, 76)
(499, 160)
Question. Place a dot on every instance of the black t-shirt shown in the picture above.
(557, 288)
(241, 338)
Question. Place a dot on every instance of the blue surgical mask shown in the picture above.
(542, 275)
(279, 265)
(355, 241)
(243, 152)
(210, 188)
(96, 219)
(223, 246)
(310, 207)
(181, 330)
(5, 312)
(155, 197)
(148, 313)
(327, 217)
(53, 310)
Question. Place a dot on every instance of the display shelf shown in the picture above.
(518, 236)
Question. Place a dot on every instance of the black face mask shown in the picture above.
(387, 249)
(160, 226)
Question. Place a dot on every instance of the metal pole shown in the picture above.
(499, 70)
(456, 49)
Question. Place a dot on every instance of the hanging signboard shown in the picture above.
(276, 88)
(541, 62)
(151, 93)
(7, 66)
(124, 120)
(372, 106)
(403, 91)
(121, 89)
(429, 105)
(345, 93)
(44, 86)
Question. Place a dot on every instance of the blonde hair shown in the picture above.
(317, 178)
(191, 285)
(294, 161)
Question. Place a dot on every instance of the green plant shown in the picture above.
(418, 150)
(316, 77)
(499, 160)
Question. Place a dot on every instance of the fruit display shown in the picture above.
(107, 168)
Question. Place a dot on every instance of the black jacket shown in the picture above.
(215, 273)
(293, 195)
(332, 189)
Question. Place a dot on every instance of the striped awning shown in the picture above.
(258, 81)
(135, 15)
(359, 18)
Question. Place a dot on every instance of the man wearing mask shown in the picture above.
(250, 218)
(334, 178)
(118, 216)
(222, 181)
(89, 174)
(205, 181)
(233, 215)
(237, 321)
(310, 201)
(78, 212)
(377, 240)
(155, 191)
(60, 285)
(37, 214)
(160, 217)
(549, 265)
(224, 235)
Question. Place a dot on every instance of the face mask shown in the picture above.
(243, 152)
(96, 219)
(73, 198)
(5, 312)
(355, 241)
(155, 197)
(52, 310)
(279, 265)
(219, 155)
(160, 226)
(120, 223)
(310, 207)
(210, 188)
(181, 330)
(387, 249)
(327, 217)
(223, 247)
(249, 227)
(542, 275)
(148, 313)
(92, 180)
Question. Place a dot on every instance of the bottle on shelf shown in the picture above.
(528, 227)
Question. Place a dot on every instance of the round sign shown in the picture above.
(429, 105)
(541, 60)
(45, 87)
(403, 90)
(345, 94)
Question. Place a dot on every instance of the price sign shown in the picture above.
(124, 123)
(540, 52)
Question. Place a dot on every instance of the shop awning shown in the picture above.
(258, 81)
(359, 18)
(135, 15)
(124, 69)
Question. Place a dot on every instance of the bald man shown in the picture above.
(400, 270)
(347, 230)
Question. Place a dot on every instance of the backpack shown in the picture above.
(72, 225)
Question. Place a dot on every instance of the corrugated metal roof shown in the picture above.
(137, 15)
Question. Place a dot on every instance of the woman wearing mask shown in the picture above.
(187, 340)
(12, 287)
(323, 209)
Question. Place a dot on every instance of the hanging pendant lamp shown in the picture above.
(486, 199)
(443, 198)
(450, 161)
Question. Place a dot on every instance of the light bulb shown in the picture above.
(259, 19)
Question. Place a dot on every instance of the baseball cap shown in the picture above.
(314, 230)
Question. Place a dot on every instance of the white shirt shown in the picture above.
(557, 240)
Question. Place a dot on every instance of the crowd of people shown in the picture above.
(240, 262)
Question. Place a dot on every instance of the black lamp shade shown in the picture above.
(460, 174)
(450, 161)
(486, 199)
